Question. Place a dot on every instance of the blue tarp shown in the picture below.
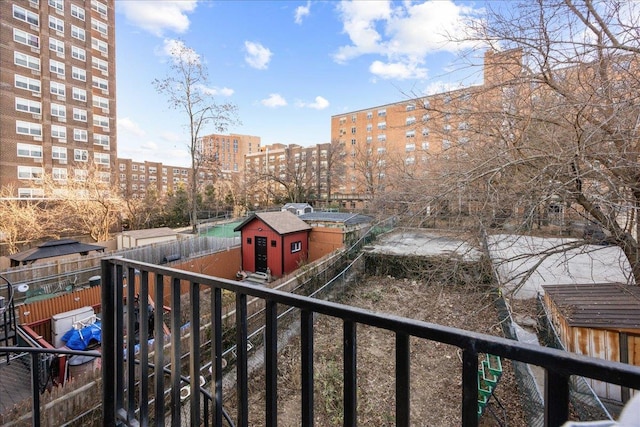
(79, 339)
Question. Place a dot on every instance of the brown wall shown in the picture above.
(323, 241)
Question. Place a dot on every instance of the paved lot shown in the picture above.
(515, 256)
(420, 242)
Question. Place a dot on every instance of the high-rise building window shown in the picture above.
(57, 4)
(59, 153)
(30, 150)
(26, 38)
(99, 7)
(101, 121)
(79, 94)
(22, 14)
(56, 67)
(28, 106)
(58, 89)
(27, 83)
(99, 45)
(99, 139)
(79, 114)
(59, 110)
(79, 74)
(80, 135)
(59, 174)
(99, 83)
(78, 33)
(56, 24)
(56, 45)
(77, 12)
(78, 53)
(58, 131)
(103, 159)
(29, 172)
(99, 26)
(100, 102)
(80, 155)
(27, 61)
(100, 64)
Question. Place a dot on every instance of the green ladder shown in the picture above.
(489, 373)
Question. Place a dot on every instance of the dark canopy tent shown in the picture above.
(53, 248)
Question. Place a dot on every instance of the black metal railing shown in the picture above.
(130, 387)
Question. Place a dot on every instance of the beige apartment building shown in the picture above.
(136, 178)
(57, 92)
(280, 172)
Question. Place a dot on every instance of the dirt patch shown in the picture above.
(436, 387)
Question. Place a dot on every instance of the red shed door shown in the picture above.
(261, 254)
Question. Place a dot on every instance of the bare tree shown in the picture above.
(24, 220)
(335, 165)
(186, 89)
(556, 123)
(88, 203)
(142, 212)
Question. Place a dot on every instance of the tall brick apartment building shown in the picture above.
(415, 136)
(57, 92)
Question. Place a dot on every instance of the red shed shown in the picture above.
(275, 240)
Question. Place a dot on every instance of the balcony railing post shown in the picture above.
(350, 374)
(556, 398)
(35, 389)
(403, 383)
(108, 344)
(131, 343)
(271, 363)
(118, 325)
(241, 360)
(176, 403)
(469, 387)
(306, 344)
(194, 352)
(144, 347)
(216, 354)
(158, 347)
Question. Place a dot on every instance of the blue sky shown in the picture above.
(288, 65)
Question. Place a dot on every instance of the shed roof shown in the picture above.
(599, 305)
(282, 222)
(151, 233)
(54, 248)
(343, 217)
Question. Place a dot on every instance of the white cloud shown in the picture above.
(320, 103)
(257, 55)
(157, 17)
(178, 51)
(223, 91)
(274, 100)
(397, 70)
(404, 34)
(125, 124)
(302, 11)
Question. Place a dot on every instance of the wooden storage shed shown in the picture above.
(278, 241)
(599, 320)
